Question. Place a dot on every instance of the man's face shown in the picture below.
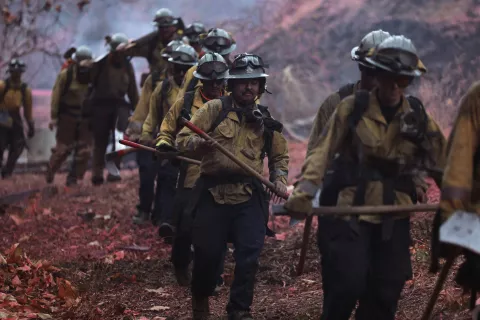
(15, 75)
(245, 91)
(213, 88)
(166, 33)
(391, 87)
(179, 71)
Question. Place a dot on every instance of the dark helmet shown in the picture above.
(82, 53)
(185, 55)
(371, 40)
(398, 55)
(219, 41)
(248, 66)
(211, 66)
(16, 65)
(171, 46)
(116, 40)
(164, 18)
(193, 32)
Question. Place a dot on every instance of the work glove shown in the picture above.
(31, 130)
(146, 141)
(164, 146)
(299, 204)
(134, 130)
(53, 124)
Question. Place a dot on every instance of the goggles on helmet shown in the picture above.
(181, 57)
(210, 67)
(243, 60)
(397, 59)
(214, 41)
(165, 21)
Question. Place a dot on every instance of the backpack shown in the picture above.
(68, 81)
(23, 90)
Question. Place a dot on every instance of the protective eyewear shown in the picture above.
(181, 57)
(208, 68)
(165, 21)
(217, 42)
(194, 29)
(401, 81)
(243, 60)
(397, 60)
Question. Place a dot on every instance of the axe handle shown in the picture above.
(232, 157)
(369, 210)
(141, 146)
(305, 240)
(438, 288)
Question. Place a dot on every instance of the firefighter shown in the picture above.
(14, 94)
(366, 258)
(212, 71)
(151, 46)
(113, 77)
(228, 205)
(68, 116)
(165, 94)
(366, 82)
(193, 32)
(460, 187)
(217, 40)
(68, 56)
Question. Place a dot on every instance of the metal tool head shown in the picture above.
(112, 168)
(462, 229)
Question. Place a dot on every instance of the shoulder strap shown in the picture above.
(346, 90)
(418, 107)
(188, 102)
(362, 99)
(5, 90)
(192, 84)
(155, 78)
(23, 90)
(69, 80)
(163, 94)
(226, 108)
(151, 48)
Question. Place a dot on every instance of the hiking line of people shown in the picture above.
(370, 145)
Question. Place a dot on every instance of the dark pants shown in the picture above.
(13, 140)
(103, 122)
(214, 225)
(162, 197)
(363, 268)
(182, 241)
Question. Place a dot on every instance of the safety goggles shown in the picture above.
(217, 42)
(243, 60)
(165, 21)
(181, 57)
(194, 29)
(402, 81)
(397, 60)
(208, 68)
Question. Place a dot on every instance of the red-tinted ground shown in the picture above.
(107, 268)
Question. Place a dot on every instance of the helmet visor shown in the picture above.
(165, 21)
(208, 68)
(217, 42)
(182, 57)
(397, 60)
(243, 61)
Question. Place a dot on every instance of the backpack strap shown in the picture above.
(362, 100)
(346, 90)
(23, 90)
(187, 104)
(192, 84)
(417, 106)
(68, 81)
(163, 93)
(226, 109)
(155, 78)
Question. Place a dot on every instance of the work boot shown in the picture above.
(183, 277)
(200, 308)
(97, 181)
(49, 175)
(240, 315)
(112, 178)
(141, 217)
(166, 231)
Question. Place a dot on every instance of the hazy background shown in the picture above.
(306, 42)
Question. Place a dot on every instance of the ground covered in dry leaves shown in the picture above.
(73, 253)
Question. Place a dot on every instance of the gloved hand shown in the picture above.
(53, 124)
(134, 130)
(164, 146)
(299, 204)
(146, 141)
(31, 130)
(280, 187)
